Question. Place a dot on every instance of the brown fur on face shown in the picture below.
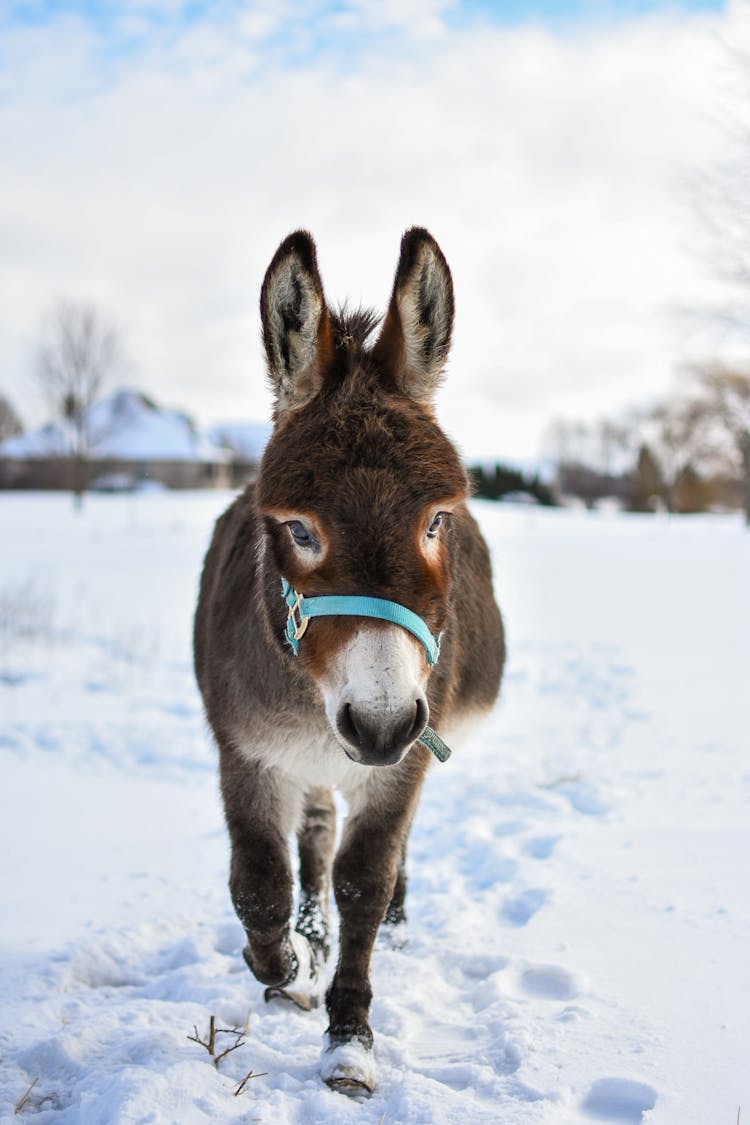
(349, 459)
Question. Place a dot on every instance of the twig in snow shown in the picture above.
(210, 1043)
(240, 1042)
(22, 1101)
(246, 1079)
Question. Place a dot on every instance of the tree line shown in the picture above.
(687, 453)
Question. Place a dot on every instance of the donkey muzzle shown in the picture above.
(375, 694)
(374, 738)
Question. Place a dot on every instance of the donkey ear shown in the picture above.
(296, 325)
(415, 339)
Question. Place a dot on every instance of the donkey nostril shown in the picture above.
(421, 716)
(347, 725)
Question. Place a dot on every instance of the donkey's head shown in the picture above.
(358, 483)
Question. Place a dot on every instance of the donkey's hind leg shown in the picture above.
(392, 933)
(395, 915)
(316, 839)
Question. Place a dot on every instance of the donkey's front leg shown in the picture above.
(364, 877)
(316, 837)
(260, 813)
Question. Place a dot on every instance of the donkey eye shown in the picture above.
(436, 524)
(301, 536)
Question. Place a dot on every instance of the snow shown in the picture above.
(578, 910)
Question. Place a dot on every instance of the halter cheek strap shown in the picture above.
(300, 610)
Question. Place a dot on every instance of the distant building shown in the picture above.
(243, 442)
(133, 443)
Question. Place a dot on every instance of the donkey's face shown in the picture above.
(358, 483)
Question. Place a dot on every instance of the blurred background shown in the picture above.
(583, 165)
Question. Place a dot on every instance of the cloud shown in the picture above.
(156, 170)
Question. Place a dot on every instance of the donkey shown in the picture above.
(346, 599)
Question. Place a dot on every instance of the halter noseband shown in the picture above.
(301, 609)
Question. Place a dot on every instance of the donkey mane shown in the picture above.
(352, 358)
(353, 327)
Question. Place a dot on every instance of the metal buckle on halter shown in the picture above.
(299, 626)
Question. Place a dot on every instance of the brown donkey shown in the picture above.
(346, 599)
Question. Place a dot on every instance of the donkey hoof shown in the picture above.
(300, 1000)
(302, 987)
(348, 1067)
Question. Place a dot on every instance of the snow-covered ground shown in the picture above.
(579, 911)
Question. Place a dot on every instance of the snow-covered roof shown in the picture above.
(246, 440)
(127, 425)
(48, 441)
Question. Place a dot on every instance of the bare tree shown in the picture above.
(725, 399)
(10, 423)
(721, 195)
(593, 459)
(723, 202)
(686, 438)
(79, 352)
(687, 453)
(567, 441)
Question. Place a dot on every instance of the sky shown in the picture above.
(155, 154)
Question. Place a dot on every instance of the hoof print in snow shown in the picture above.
(619, 1099)
(549, 983)
(541, 847)
(520, 909)
(584, 799)
(348, 1068)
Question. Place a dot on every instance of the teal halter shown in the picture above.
(301, 609)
